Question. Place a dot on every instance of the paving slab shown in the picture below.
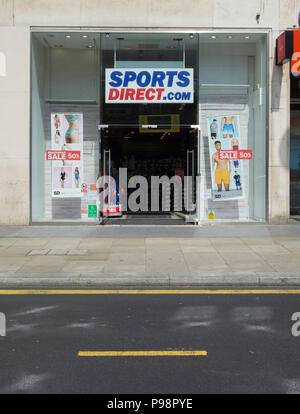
(10, 267)
(194, 241)
(198, 249)
(4, 243)
(62, 243)
(226, 241)
(166, 264)
(103, 248)
(128, 242)
(291, 243)
(237, 257)
(237, 249)
(253, 267)
(123, 268)
(293, 251)
(162, 242)
(128, 249)
(286, 266)
(94, 256)
(83, 266)
(277, 258)
(43, 264)
(31, 242)
(204, 259)
(14, 252)
(269, 248)
(15, 260)
(127, 258)
(258, 241)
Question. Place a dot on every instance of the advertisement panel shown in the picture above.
(225, 157)
(149, 86)
(295, 61)
(67, 154)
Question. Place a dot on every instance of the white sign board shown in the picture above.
(149, 86)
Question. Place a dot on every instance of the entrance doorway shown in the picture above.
(149, 174)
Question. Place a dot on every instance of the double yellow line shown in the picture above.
(154, 292)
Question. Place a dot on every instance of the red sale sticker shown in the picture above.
(63, 155)
(233, 155)
(245, 154)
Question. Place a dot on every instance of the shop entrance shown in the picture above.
(149, 174)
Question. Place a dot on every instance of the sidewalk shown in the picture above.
(244, 254)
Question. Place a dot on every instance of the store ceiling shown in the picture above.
(139, 41)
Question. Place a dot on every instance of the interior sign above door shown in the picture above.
(149, 86)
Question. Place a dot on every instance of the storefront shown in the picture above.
(295, 147)
(152, 105)
(288, 52)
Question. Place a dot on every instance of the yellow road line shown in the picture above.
(140, 353)
(153, 292)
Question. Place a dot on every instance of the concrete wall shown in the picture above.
(17, 16)
(15, 124)
(277, 14)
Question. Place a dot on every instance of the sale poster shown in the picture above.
(226, 169)
(67, 154)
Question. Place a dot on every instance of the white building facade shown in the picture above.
(54, 61)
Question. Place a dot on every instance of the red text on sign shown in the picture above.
(235, 155)
(140, 94)
(63, 155)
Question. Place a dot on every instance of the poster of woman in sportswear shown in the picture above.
(224, 134)
(68, 127)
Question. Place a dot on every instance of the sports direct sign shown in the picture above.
(149, 86)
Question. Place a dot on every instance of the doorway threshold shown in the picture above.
(147, 220)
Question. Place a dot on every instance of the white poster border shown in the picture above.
(58, 143)
(217, 196)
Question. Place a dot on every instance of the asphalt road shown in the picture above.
(248, 340)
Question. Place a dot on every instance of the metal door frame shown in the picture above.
(194, 217)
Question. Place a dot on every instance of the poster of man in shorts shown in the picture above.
(226, 174)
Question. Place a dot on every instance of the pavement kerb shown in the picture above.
(168, 281)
